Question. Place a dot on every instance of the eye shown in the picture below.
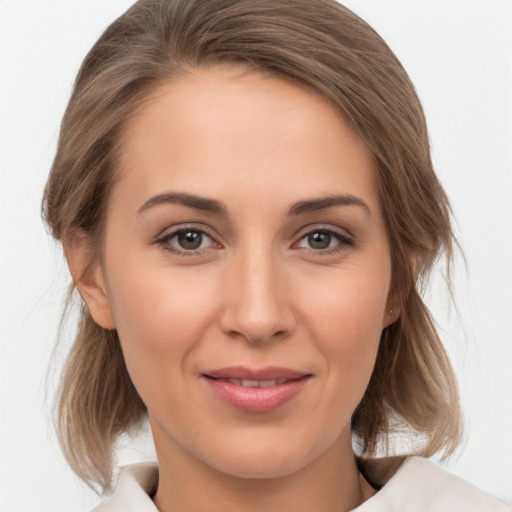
(317, 240)
(186, 241)
(324, 240)
(189, 240)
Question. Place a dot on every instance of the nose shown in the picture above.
(257, 303)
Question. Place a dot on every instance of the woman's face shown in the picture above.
(246, 269)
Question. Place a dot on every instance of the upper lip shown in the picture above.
(245, 373)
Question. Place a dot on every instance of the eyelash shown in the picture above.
(164, 241)
(344, 242)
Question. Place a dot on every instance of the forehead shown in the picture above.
(218, 128)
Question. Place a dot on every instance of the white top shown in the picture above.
(417, 486)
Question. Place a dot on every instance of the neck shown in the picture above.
(330, 483)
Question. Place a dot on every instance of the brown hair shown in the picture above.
(326, 46)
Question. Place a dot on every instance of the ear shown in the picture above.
(87, 274)
(391, 315)
(394, 304)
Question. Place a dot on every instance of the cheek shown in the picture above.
(346, 320)
(347, 311)
(148, 299)
(161, 317)
(350, 344)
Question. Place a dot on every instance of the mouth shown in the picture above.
(254, 383)
(256, 390)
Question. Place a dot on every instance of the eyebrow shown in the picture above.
(218, 208)
(190, 200)
(325, 202)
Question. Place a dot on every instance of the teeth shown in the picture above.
(246, 383)
(250, 383)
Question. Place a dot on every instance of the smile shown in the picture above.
(254, 383)
(256, 391)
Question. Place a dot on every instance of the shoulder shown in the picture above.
(419, 485)
(136, 484)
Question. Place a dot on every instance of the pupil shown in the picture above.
(190, 240)
(319, 240)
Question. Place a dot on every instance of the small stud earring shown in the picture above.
(390, 311)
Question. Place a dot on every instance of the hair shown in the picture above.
(327, 47)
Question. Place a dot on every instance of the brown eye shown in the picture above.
(325, 241)
(319, 240)
(190, 240)
(187, 241)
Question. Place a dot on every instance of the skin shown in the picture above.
(257, 292)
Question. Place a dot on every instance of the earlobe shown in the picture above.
(394, 307)
(390, 316)
(87, 274)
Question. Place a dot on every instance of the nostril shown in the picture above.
(259, 336)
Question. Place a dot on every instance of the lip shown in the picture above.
(246, 373)
(265, 398)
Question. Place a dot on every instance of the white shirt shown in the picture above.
(417, 486)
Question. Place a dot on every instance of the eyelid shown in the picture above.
(177, 228)
(329, 228)
(170, 232)
(345, 238)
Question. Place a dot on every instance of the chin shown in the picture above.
(262, 455)
(268, 464)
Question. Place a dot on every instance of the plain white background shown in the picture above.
(459, 55)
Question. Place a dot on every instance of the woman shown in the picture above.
(246, 201)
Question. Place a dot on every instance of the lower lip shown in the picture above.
(257, 399)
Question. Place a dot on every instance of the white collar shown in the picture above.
(418, 485)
